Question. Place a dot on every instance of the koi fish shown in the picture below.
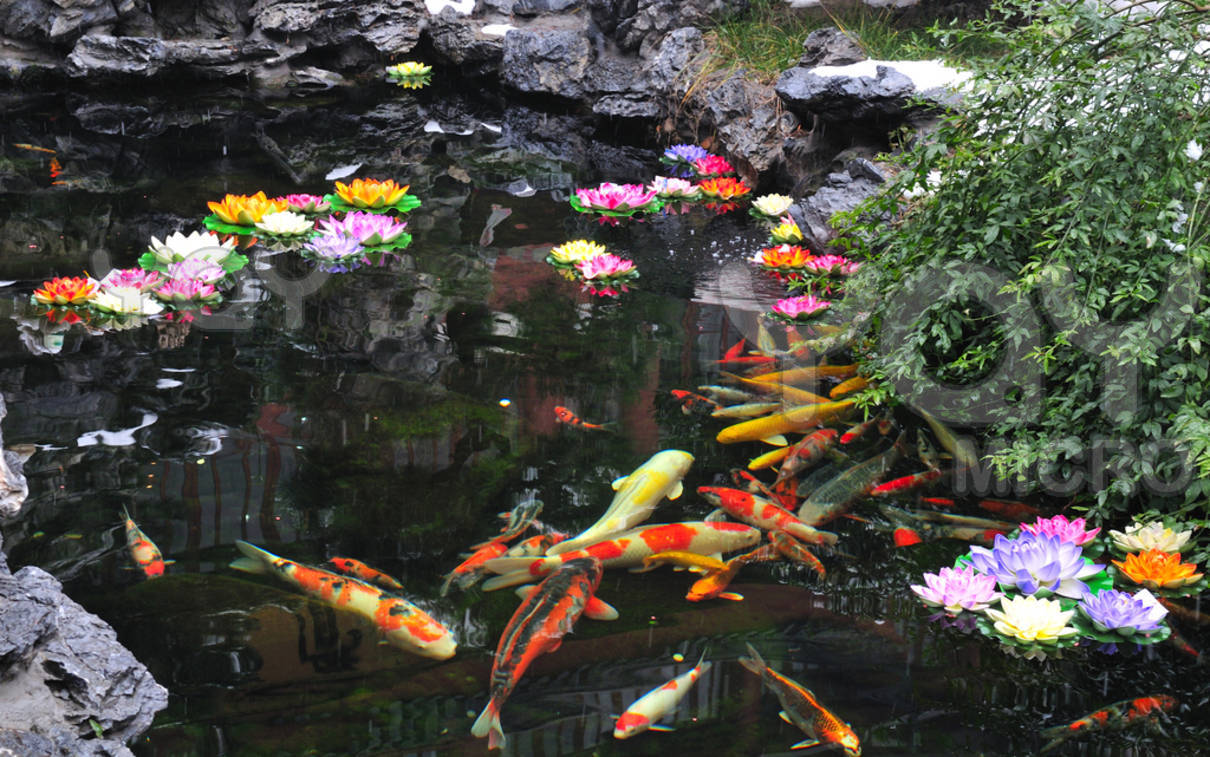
(750, 483)
(906, 483)
(803, 710)
(144, 551)
(628, 549)
(1119, 715)
(938, 501)
(792, 549)
(519, 519)
(35, 148)
(358, 569)
(596, 609)
(790, 395)
(857, 431)
(926, 451)
(855, 384)
(684, 560)
(403, 624)
(808, 373)
(644, 713)
(727, 394)
(537, 627)
(762, 513)
(1185, 613)
(809, 449)
(903, 536)
(637, 496)
(470, 570)
(963, 454)
(746, 410)
(770, 458)
(56, 168)
(770, 428)
(713, 585)
(535, 545)
(563, 415)
(691, 402)
(1018, 511)
(830, 499)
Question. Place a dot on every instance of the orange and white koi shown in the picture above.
(537, 627)
(713, 585)
(144, 551)
(751, 483)
(803, 710)
(807, 450)
(627, 550)
(402, 624)
(762, 513)
(691, 402)
(470, 570)
(906, 483)
(1119, 715)
(792, 549)
(564, 415)
(535, 545)
(358, 569)
(647, 710)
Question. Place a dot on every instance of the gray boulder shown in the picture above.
(379, 27)
(13, 486)
(844, 98)
(652, 19)
(829, 47)
(458, 40)
(842, 191)
(546, 61)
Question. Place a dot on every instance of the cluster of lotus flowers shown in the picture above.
(1049, 593)
(410, 74)
(602, 272)
(786, 258)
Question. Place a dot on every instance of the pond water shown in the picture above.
(388, 414)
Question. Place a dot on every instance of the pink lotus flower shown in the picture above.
(370, 229)
(1067, 530)
(606, 266)
(196, 268)
(838, 264)
(304, 203)
(800, 307)
(616, 197)
(958, 589)
(712, 165)
(674, 189)
(130, 278)
(186, 290)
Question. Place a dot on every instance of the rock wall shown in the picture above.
(13, 487)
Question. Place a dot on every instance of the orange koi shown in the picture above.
(855, 384)
(358, 569)
(403, 624)
(906, 483)
(684, 560)
(792, 549)
(1181, 644)
(566, 416)
(1119, 715)
(470, 570)
(691, 402)
(762, 513)
(905, 537)
(56, 168)
(802, 709)
(809, 373)
(938, 501)
(810, 448)
(35, 148)
(144, 551)
(713, 585)
(1008, 509)
(537, 627)
(1185, 613)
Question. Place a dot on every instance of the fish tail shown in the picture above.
(488, 724)
(810, 535)
(514, 578)
(255, 560)
(755, 663)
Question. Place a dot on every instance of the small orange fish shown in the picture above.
(471, 569)
(566, 416)
(691, 402)
(55, 168)
(792, 549)
(358, 569)
(802, 709)
(144, 551)
(35, 148)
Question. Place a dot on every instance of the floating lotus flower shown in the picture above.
(682, 157)
(64, 290)
(615, 200)
(800, 308)
(771, 206)
(712, 165)
(304, 203)
(569, 253)
(1067, 530)
(786, 232)
(126, 301)
(371, 194)
(725, 189)
(244, 210)
(784, 257)
(667, 188)
(410, 74)
(284, 224)
(199, 244)
(1034, 563)
(185, 291)
(198, 269)
(1030, 619)
(335, 253)
(606, 267)
(1158, 570)
(958, 589)
(1127, 614)
(832, 265)
(1140, 537)
(130, 278)
(368, 229)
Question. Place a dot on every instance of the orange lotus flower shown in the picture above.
(783, 256)
(1158, 570)
(725, 188)
(63, 290)
(371, 193)
(245, 210)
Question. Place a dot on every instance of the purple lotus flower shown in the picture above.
(1111, 610)
(681, 158)
(304, 203)
(1035, 564)
(958, 589)
(336, 253)
(800, 307)
(370, 229)
(130, 278)
(186, 290)
(1067, 530)
(616, 197)
(196, 268)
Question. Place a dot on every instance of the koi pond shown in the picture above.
(391, 412)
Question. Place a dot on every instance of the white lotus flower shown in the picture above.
(1140, 537)
(772, 205)
(1031, 619)
(126, 301)
(284, 223)
(204, 245)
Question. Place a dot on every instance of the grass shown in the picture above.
(767, 38)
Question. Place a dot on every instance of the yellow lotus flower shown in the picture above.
(1031, 619)
(409, 68)
(573, 252)
(246, 210)
(1159, 570)
(371, 193)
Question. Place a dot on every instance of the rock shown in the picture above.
(13, 486)
(841, 192)
(546, 61)
(62, 670)
(457, 40)
(212, 19)
(845, 98)
(652, 19)
(383, 27)
(829, 47)
(60, 22)
(538, 7)
(104, 54)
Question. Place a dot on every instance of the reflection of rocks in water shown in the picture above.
(13, 486)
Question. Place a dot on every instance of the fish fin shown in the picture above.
(617, 482)
(718, 515)
(505, 580)
(169, 562)
(642, 568)
(488, 724)
(805, 744)
(732, 596)
(658, 727)
(677, 491)
(248, 565)
(755, 662)
(785, 717)
(1054, 730)
(599, 609)
(777, 440)
(524, 591)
